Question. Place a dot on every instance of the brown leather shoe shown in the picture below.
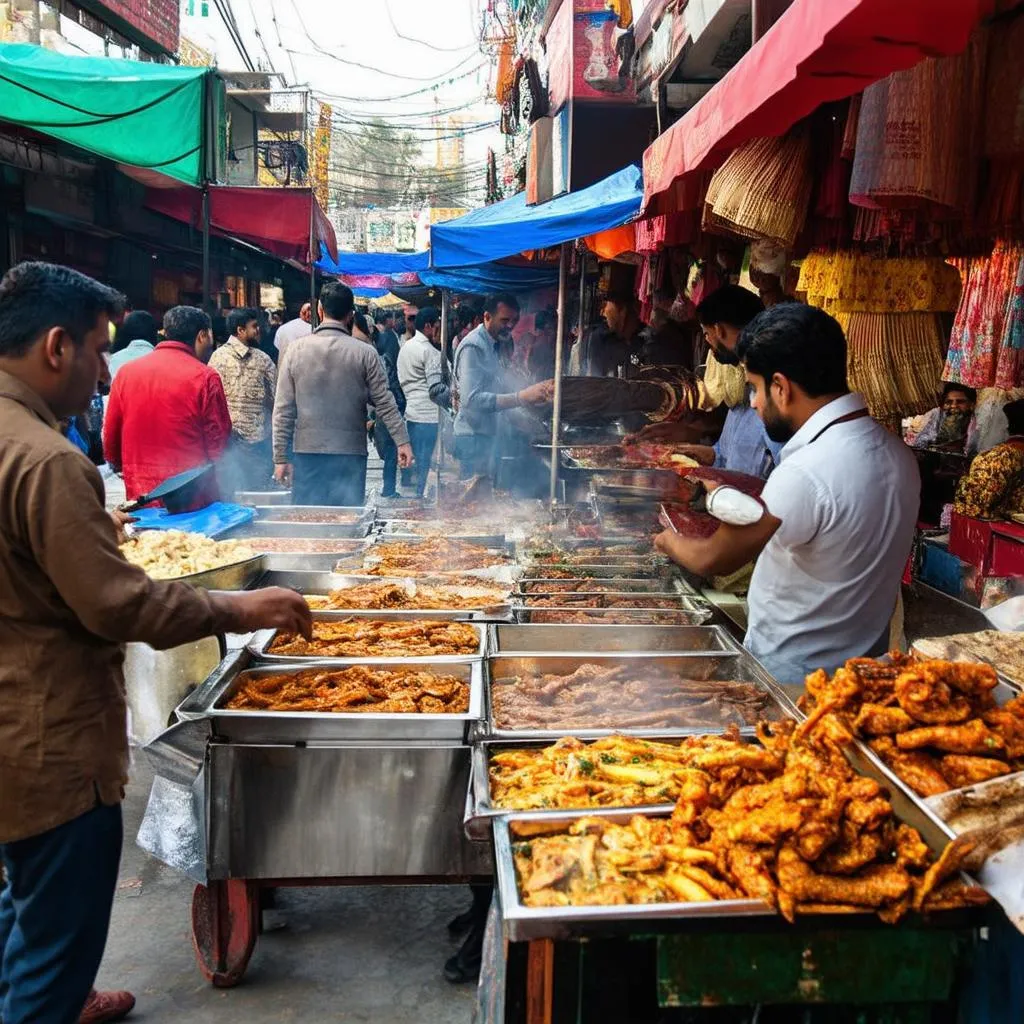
(102, 1007)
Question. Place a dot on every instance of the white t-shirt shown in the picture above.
(289, 332)
(825, 586)
(415, 359)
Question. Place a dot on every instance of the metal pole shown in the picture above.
(583, 300)
(556, 414)
(207, 306)
(313, 254)
(442, 414)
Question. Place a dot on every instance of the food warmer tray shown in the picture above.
(263, 498)
(491, 541)
(522, 924)
(236, 576)
(261, 641)
(298, 727)
(269, 525)
(565, 617)
(318, 561)
(662, 593)
(403, 529)
(724, 666)
(608, 639)
(623, 584)
(316, 583)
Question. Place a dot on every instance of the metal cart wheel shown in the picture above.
(225, 924)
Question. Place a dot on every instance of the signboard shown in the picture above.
(154, 21)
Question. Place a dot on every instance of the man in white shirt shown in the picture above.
(293, 330)
(840, 508)
(419, 359)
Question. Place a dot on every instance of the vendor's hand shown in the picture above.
(270, 608)
(121, 521)
(675, 430)
(667, 542)
(405, 459)
(283, 474)
(538, 394)
(702, 453)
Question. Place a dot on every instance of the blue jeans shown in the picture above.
(54, 915)
(388, 451)
(475, 455)
(328, 479)
(423, 438)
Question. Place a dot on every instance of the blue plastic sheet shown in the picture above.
(212, 521)
(492, 277)
(510, 227)
(363, 263)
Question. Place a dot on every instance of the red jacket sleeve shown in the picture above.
(215, 417)
(113, 421)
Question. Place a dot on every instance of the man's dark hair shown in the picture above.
(802, 343)
(384, 318)
(136, 326)
(427, 315)
(337, 300)
(240, 318)
(627, 300)
(492, 302)
(183, 323)
(731, 305)
(360, 321)
(969, 393)
(35, 297)
(465, 315)
(1014, 412)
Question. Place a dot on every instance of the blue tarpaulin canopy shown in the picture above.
(364, 263)
(510, 227)
(492, 277)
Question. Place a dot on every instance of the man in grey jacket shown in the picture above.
(324, 384)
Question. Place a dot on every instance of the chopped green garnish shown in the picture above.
(609, 759)
(586, 766)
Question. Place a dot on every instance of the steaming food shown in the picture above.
(300, 515)
(169, 554)
(410, 594)
(430, 556)
(306, 545)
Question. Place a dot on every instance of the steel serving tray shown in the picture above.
(297, 727)
(696, 615)
(608, 639)
(271, 524)
(262, 640)
(236, 576)
(618, 584)
(574, 598)
(523, 923)
(715, 666)
(261, 498)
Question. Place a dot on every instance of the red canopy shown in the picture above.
(275, 219)
(818, 51)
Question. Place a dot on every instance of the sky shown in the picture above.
(350, 52)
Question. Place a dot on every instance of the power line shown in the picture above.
(423, 42)
(228, 17)
(407, 95)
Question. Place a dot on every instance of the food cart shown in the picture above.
(251, 798)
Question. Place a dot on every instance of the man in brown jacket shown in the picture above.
(68, 602)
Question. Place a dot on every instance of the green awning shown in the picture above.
(134, 112)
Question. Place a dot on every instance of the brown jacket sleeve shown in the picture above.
(382, 399)
(74, 541)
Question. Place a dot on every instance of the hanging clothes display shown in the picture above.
(918, 137)
(986, 348)
(763, 189)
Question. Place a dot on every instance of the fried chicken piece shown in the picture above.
(971, 678)
(955, 894)
(927, 699)
(854, 851)
(919, 771)
(911, 850)
(963, 770)
(768, 824)
(749, 868)
(1008, 722)
(949, 862)
(876, 720)
(874, 887)
(973, 737)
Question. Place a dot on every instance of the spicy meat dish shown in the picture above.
(597, 600)
(430, 556)
(416, 596)
(169, 554)
(622, 696)
(300, 515)
(589, 585)
(306, 545)
(357, 689)
(380, 638)
(788, 823)
(934, 723)
(630, 616)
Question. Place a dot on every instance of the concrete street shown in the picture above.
(358, 954)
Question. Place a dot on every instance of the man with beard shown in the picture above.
(743, 445)
(839, 509)
(479, 384)
(951, 427)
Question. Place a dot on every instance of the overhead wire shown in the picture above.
(423, 42)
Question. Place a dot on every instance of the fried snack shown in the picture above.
(431, 556)
(598, 601)
(803, 833)
(622, 771)
(934, 723)
(357, 689)
(584, 584)
(380, 638)
(416, 596)
(622, 696)
(633, 616)
(169, 554)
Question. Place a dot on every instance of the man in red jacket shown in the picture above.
(168, 412)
